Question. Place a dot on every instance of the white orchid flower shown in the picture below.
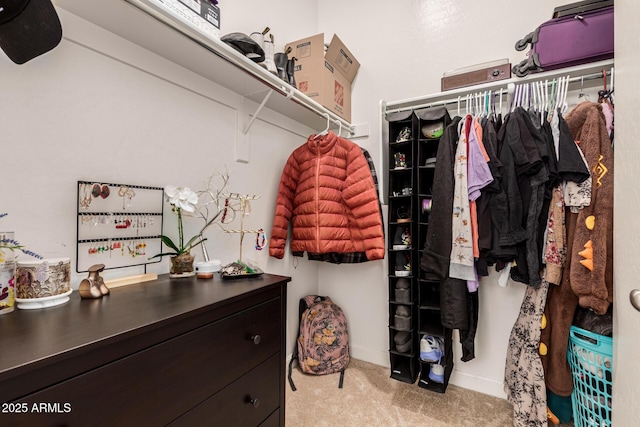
(181, 197)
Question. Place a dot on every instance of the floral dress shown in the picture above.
(523, 374)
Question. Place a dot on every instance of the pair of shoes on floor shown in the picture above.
(432, 351)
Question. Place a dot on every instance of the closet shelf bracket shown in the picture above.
(257, 112)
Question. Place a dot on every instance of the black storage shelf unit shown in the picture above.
(402, 209)
(411, 166)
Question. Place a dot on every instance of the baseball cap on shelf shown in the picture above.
(28, 28)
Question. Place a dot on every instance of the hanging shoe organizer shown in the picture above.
(414, 302)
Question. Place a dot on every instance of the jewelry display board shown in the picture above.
(119, 225)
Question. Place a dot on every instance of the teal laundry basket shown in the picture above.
(590, 359)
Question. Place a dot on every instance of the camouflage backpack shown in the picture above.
(322, 346)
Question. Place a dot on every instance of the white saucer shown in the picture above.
(180, 275)
(43, 302)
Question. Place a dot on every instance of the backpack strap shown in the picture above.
(293, 386)
(303, 305)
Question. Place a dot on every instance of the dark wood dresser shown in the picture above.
(179, 352)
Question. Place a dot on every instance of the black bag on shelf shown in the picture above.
(245, 45)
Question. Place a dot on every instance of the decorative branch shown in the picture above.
(217, 206)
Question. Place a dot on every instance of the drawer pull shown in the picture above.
(254, 401)
(256, 339)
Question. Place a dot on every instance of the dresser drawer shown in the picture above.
(245, 402)
(273, 420)
(157, 385)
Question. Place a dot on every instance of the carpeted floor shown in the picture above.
(370, 398)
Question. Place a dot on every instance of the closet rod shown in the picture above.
(504, 86)
(501, 91)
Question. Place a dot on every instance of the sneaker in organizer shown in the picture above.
(402, 291)
(404, 135)
(402, 238)
(403, 214)
(402, 318)
(403, 264)
(402, 341)
(400, 161)
(436, 373)
(431, 349)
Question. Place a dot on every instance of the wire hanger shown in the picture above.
(326, 130)
(557, 98)
(492, 104)
(552, 99)
(487, 103)
(515, 102)
(582, 93)
(475, 105)
(545, 95)
(565, 91)
(541, 104)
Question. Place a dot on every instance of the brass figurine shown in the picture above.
(93, 286)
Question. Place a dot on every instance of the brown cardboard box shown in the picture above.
(325, 77)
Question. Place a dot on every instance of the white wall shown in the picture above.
(404, 48)
(288, 20)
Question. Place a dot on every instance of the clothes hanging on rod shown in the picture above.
(530, 171)
(536, 160)
(588, 276)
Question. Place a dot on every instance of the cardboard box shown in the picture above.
(200, 14)
(325, 77)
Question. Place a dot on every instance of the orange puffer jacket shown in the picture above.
(327, 192)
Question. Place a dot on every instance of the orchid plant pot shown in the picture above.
(182, 266)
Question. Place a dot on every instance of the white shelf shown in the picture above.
(145, 24)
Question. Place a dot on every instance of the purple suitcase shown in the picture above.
(567, 41)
